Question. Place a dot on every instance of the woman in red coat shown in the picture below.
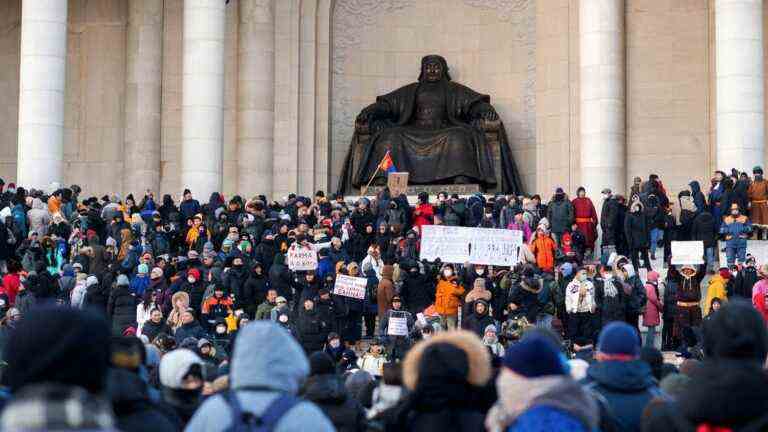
(423, 213)
(586, 218)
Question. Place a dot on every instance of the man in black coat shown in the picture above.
(310, 328)
(326, 389)
(609, 223)
(417, 291)
(703, 229)
(637, 233)
(121, 307)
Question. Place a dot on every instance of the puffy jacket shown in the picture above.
(121, 308)
(637, 230)
(611, 299)
(703, 229)
(192, 329)
(544, 249)
(736, 230)
(328, 392)
(560, 215)
(39, 218)
(448, 296)
(312, 331)
(717, 289)
(417, 291)
(653, 308)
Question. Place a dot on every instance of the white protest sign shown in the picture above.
(485, 246)
(301, 258)
(397, 326)
(687, 252)
(349, 286)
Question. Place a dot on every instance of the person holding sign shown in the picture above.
(396, 326)
(448, 297)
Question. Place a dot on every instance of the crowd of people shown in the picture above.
(157, 315)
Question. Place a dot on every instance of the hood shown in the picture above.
(737, 391)
(37, 204)
(695, 187)
(282, 366)
(180, 295)
(621, 376)
(326, 388)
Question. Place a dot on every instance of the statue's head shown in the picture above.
(434, 68)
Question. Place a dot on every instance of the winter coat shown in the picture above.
(39, 218)
(425, 216)
(25, 301)
(627, 388)
(637, 230)
(611, 300)
(609, 222)
(196, 293)
(311, 331)
(699, 201)
(385, 290)
(11, 283)
(121, 308)
(543, 248)
(653, 308)
(703, 229)
(417, 292)
(742, 285)
(723, 395)
(736, 230)
(717, 289)
(192, 329)
(257, 377)
(560, 215)
(527, 300)
(151, 329)
(476, 323)
(134, 410)
(264, 310)
(328, 392)
(670, 299)
(234, 284)
(448, 296)
(759, 293)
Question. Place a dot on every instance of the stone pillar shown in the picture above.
(41, 93)
(602, 77)
(740, 92)
(202, 111)
(255, 96)
(143, 92)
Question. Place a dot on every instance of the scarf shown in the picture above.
(610, 288)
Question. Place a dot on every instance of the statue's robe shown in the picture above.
(435, 144)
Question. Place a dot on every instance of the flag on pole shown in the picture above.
(387, 165)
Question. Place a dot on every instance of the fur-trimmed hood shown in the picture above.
(477, 355)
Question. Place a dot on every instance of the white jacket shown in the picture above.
(574, 303)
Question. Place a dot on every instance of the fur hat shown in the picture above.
(478, 359)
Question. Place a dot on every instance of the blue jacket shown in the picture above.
(736, 230)
(267, 362)
(139, 284)
(544, 419)
(627, 388)
(189, 208)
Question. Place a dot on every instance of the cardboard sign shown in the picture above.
(301, 258)
(397, 326)
(687, 252)
(487, 246)
(349, 286)
(397, 182)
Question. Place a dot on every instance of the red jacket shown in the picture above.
(11, 284)
(424, 216)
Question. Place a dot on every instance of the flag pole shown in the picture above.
(364, 190)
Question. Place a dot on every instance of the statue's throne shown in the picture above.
(492, 129)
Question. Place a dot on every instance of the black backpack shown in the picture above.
(243, 421)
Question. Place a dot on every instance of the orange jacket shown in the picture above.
(543, 249)
(448, 296)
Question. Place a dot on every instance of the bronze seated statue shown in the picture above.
(435, 129)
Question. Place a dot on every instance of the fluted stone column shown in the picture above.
(143, 92)
(603, 89)
(255, 96)
(41, 92)
(740, 92)
(203, 96)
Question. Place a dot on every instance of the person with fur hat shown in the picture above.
(448, 297)
(728, 390)
(736, 229)
(536, 392)
(442, 375)
(620, 377)
(180, 303)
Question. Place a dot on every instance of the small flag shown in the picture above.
(387, 164)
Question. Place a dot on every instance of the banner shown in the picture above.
(487, 246)
(301, 258)
(349, 286)
(687, 252)
(397, 326)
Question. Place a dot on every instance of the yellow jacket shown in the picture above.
(716, 288)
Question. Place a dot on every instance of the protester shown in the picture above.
(326, 389)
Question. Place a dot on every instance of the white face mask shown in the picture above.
(480, 271)
(191, 280)
(447, 272)
(582, 277)
(283, 318)
(334, 343)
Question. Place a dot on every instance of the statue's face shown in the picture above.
(433, 71)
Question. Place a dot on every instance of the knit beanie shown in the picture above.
(122, 280)
(619, 338)
(142, 269)
(534, 356)
(38, 351)
(195, 273)
(157, 273)
(320, 363)
(175, 365)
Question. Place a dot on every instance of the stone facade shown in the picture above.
(296, 72)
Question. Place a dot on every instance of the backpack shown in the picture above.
(243, 421)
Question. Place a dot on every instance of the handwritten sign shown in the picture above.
(485, 246)
(301, 258)
(397, 182)
(349, 286)
(687, 252)
(397, 326)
